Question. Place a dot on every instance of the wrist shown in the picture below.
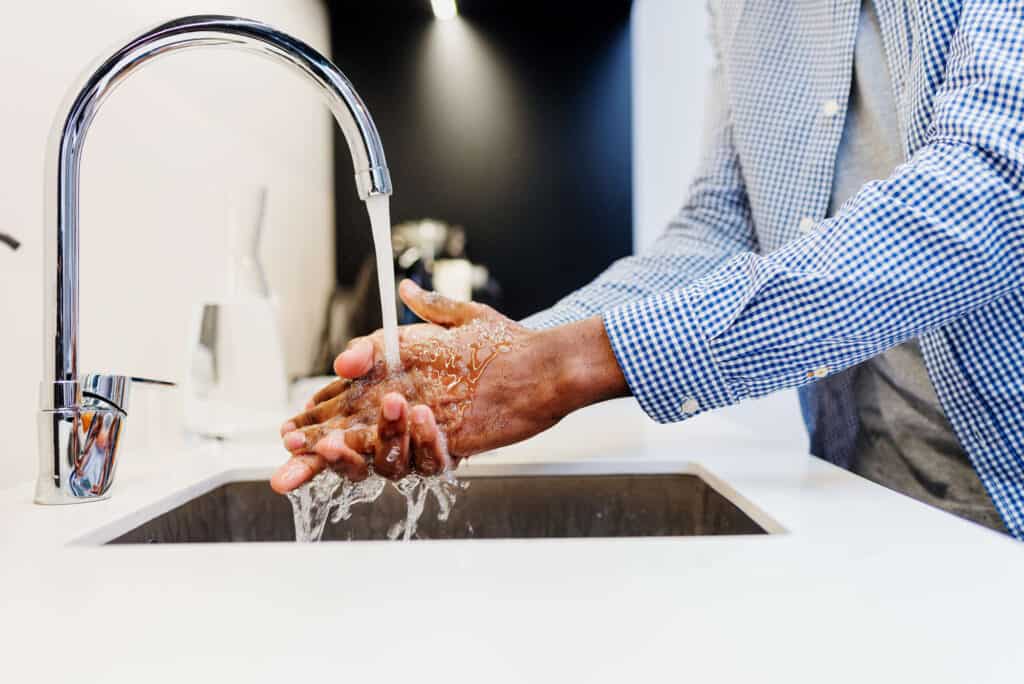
(585, 369)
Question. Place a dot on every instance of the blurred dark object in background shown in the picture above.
(432, 254)
(512, 120)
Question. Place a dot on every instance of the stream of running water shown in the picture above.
(328, 496)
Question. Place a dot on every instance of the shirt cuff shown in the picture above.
(665, 357)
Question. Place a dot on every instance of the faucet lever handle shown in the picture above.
(153, 381)
(115, 390)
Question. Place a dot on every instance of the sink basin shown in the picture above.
(508, 506)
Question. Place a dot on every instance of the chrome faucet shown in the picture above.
(82, 418)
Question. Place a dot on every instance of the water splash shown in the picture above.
(411, 487)
(313, 502)
(352, 493)
(311, 505)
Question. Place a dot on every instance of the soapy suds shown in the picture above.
(379, 209)
(330, 496)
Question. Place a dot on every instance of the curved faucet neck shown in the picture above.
(67, 138)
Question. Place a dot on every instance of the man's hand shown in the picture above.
(475, 381)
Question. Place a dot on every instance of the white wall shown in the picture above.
(161, 160)
(671, 61)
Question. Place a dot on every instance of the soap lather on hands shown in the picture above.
(471, 380)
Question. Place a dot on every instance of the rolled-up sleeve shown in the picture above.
(713, 225)
(941, 237)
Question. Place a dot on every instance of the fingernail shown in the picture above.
(392, 410)
(288, 427)
(294, 474)
(294, 440)
(419, 417)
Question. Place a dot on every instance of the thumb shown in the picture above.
(435, 308)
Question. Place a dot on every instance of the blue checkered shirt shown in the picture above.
(751, 290)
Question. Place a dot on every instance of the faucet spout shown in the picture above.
(64, 396)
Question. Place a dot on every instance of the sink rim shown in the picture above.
(125, 523)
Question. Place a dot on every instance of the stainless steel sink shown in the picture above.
(493, 507)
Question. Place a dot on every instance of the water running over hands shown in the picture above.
(441, 370)
(466, 381)
(379, 209)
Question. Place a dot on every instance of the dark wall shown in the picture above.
(512, 120)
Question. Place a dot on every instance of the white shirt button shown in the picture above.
(689, 406)
(806, 225)
(819, 372)
(976, 433)
(830, 108)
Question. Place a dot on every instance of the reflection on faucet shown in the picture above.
(92, 470)
(81, 419)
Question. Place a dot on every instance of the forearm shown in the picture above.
(713, 225)
(688, 249)
(895, 263)
(938, 240)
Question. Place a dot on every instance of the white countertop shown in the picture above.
(860, 585)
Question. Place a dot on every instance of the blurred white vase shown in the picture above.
(236, 382)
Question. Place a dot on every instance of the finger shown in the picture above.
(341, 456)
(357, 360)
(318, 414)
(429, 453)
(308, 417)
(391, 457)
(303, 439)
(430, 306)
(296, 471)
(360, 439)
(329, 392)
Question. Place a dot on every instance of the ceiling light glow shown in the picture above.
(444, 9)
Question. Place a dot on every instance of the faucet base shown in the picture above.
(78, 452)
